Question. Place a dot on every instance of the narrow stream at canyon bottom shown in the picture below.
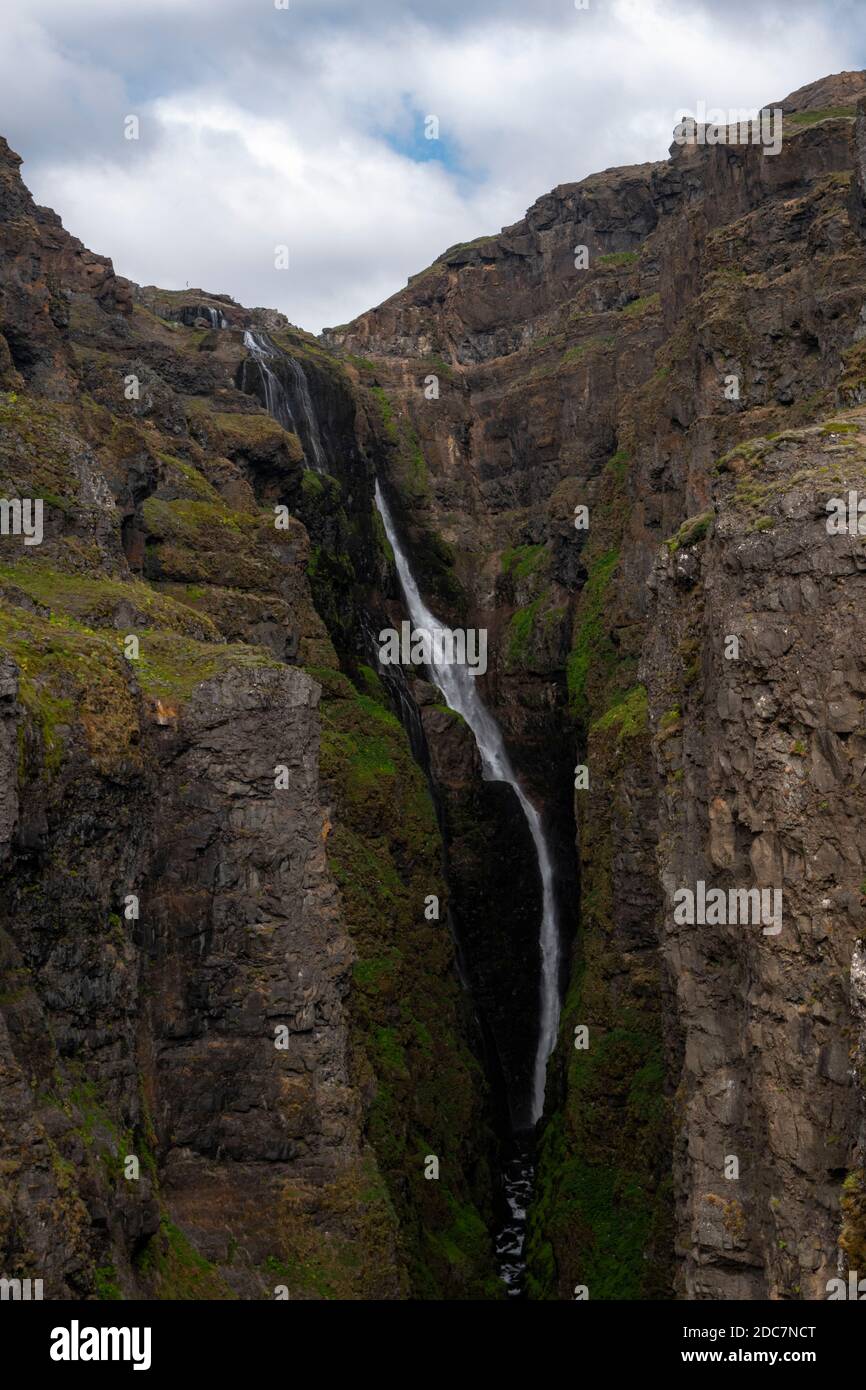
(458, 688)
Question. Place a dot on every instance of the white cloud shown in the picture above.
(261, 127)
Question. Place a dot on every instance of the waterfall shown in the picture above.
(302, 389)
(263, 353)
(459, 690)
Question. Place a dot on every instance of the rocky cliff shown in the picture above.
(221, 822)
(230, 1038)
(677, 348)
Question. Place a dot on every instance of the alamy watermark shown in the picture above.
(847, 516)
(854, 1290)
(717, 908)
(22, 516)
(24, 1290)
(77, 1343)
(434, 646)
(737, 126)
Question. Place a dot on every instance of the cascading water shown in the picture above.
(458, 689)
(460, 693)
(302, 390)
(263, 353)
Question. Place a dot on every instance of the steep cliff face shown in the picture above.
(722, 300)
(230, 1039)
(760, 755)
(219, 838)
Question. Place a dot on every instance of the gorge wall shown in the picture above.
(234, 831)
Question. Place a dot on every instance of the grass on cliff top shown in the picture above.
(830, 113)
(77, 678)
(95, 600)
(644, 304)
(38, 446)
(194, 541)
(69, 677)
(233, 433)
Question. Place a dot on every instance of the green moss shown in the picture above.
(830, 113)
(198, 542)
(523, 560)
(385, 852)
(312, 483)
(234, 434)
(601, 1200)
(692, 532)
(389, 1052)
(105, 1280)
(479, 242)
(386, 413)
(840, 427)
(520, 632)
(590, 643)
(853, 1202)
(643, 305)
(377, 973)
(170, 667)
(39, 444)
(189, 477)
(71, 682)
(451, 713)
(629, 718)
(371, 685)
(440, 367)
(337, 1241)
(578, 351)
(617, 259)
(93, 600)
(617, 465)
(176, 1271)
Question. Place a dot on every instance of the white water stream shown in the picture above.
(263, 352)
(461, 694)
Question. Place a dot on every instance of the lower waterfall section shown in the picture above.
(458, 688)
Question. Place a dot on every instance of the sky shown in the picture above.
(304, 123)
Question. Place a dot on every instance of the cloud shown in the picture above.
(305, 127)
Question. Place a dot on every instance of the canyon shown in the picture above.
(581, 1061)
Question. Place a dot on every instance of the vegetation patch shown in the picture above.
(523, 560)
(591, 645)
(692, 532)
(385, 852)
